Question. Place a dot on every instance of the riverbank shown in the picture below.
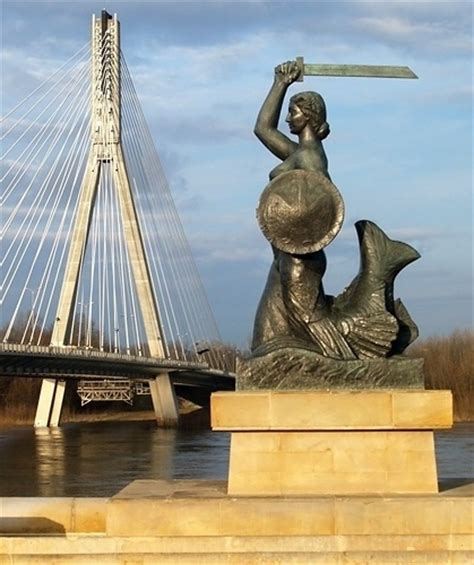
(190, 416)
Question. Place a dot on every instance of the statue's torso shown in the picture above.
(294, 292)
(305, 158)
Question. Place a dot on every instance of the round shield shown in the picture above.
(300, 212)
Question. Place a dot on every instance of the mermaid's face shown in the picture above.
(296, 119)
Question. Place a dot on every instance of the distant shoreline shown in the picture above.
(448, 365)
(197, 417)
(189, 416)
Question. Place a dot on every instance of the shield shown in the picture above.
(300, 212)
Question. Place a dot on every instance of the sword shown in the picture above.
(375, 71)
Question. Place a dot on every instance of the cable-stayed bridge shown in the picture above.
(97, 277)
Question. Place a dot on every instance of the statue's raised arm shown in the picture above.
(306, 118)
(266, 127)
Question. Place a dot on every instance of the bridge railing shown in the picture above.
(75, 352)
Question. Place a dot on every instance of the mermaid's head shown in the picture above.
(313, 108)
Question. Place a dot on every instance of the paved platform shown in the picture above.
(196, 522)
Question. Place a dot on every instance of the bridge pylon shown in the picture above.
(106, 153)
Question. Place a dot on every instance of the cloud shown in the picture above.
(206, 128)
(400, 151)
(426, 37)
(199, 64)
(247, 246)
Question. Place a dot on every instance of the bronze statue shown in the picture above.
(297, 325)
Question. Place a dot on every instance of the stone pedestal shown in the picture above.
(332, 442)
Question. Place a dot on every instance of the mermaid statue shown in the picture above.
(302, 336)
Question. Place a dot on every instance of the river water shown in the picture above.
(99, 459)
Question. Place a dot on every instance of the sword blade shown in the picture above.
(375, 71)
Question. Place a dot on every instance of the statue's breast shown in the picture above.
(302, 159)
(288, 164)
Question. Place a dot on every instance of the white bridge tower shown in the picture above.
(106, 151)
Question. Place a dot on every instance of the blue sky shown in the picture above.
(399, 151)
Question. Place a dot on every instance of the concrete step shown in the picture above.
(248, 558)
(200, 508)
(180, 522)
(69, 545)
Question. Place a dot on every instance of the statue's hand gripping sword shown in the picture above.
(375, 71)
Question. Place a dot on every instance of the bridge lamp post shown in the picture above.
(87, 306)
(33, 314)
(182, 339)
(81, 313)
(89, 325)
(201, 348)
(125, 318)
(231, 357)
(116, 338)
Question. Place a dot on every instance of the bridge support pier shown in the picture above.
(57, 403)
(45, 403)
(164, 401)
(50, 403)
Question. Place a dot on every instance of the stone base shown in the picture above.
(191, 522)
(203, 508)
(331, 442)
(295, 368)
(323, 463)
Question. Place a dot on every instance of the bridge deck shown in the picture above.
(74, 363)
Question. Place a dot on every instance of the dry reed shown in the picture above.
(449, 365)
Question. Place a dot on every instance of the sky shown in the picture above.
(400, 151)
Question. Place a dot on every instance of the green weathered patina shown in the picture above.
(366, 71)
(302, 336)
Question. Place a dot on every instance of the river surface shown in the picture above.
(99, 459)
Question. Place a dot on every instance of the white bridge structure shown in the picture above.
(107, 390)
(97, 277)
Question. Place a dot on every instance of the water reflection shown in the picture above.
(50, 458)
(455, 452)
(101, 458)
